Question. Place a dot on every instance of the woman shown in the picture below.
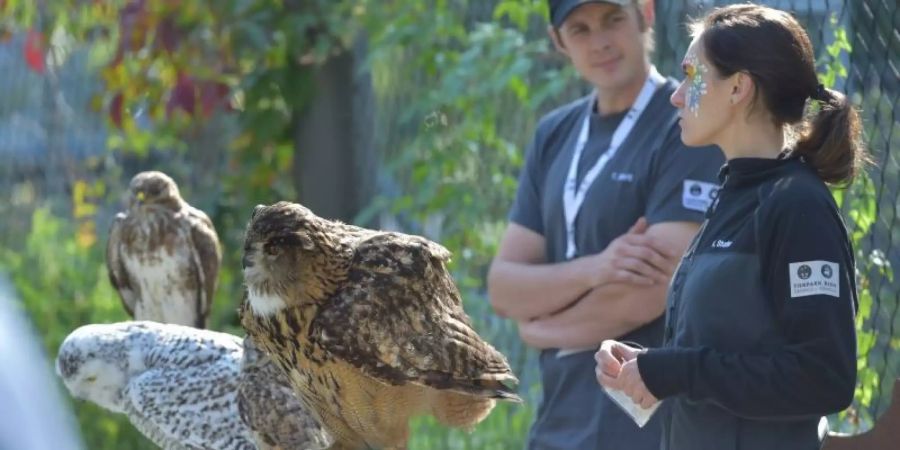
(760, 340)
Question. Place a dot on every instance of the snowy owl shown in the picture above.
(178, 385)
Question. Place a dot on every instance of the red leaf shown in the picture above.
(167, 35)
(133, 22)
(33, 51)
(115, 110)
(183, 95)
(213, 95)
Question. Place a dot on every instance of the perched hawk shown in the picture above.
(163, 255)
(177, 384)
(271, 408)
(369, 326)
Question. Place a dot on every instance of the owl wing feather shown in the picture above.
(399, 318)
(188, 408)
(118, 274)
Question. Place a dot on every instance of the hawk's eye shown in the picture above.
(90, 379)
(154, 191)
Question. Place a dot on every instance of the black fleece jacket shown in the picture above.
(760, 339)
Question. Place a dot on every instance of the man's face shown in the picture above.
(605, 42)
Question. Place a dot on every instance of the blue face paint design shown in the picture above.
(694, 70)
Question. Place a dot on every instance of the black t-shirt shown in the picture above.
(653, 175)
(760, 340)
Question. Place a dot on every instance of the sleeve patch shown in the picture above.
(814, 278)
(698, 195)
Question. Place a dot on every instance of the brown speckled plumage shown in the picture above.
(271, 409)
(369, 325)
(163, 255)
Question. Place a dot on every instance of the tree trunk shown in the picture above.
(335, 160)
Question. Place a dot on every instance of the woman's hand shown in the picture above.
(617, 369)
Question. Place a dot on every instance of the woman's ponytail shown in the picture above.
(831, 141)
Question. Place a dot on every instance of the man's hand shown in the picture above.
(617, 369)
(579, 303)
(634, 258)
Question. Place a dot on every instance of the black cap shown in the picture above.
(560, 9)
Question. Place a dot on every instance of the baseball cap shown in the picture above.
(560, 9)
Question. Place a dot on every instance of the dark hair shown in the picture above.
(774, 50)
(638, 6)
(643, 24)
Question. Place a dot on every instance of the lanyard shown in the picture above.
(572, 198)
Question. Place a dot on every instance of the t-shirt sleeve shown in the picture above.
(526, 208)
(684, 180)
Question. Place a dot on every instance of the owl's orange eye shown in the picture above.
(273, 247)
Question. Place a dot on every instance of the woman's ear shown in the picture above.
(742, 88)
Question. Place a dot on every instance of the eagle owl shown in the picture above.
(271, 408)
(163, 255)
(369, 325)
(177, 384)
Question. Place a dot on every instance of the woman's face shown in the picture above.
(703, 99)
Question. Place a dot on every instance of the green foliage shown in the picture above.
(458, 164)
(63, 284)
(831, 59)
(459, 169)
(862, 210)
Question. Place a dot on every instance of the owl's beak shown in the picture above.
(246, 261)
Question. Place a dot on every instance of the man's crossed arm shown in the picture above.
(581, 302)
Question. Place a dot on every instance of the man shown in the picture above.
(608, 200)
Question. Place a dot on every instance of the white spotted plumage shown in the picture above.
(161, 276)
(177, 385)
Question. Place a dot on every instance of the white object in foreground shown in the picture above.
(640, 415)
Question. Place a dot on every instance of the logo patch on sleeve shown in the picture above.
(814, 278)
(698, 195)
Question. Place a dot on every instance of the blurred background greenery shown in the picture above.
(407, 115)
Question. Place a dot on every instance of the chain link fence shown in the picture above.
(872, 80)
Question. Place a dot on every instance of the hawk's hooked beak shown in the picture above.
(140, 196)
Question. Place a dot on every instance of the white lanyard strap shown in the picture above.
(572, 198)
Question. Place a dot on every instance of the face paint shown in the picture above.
(694, 70)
